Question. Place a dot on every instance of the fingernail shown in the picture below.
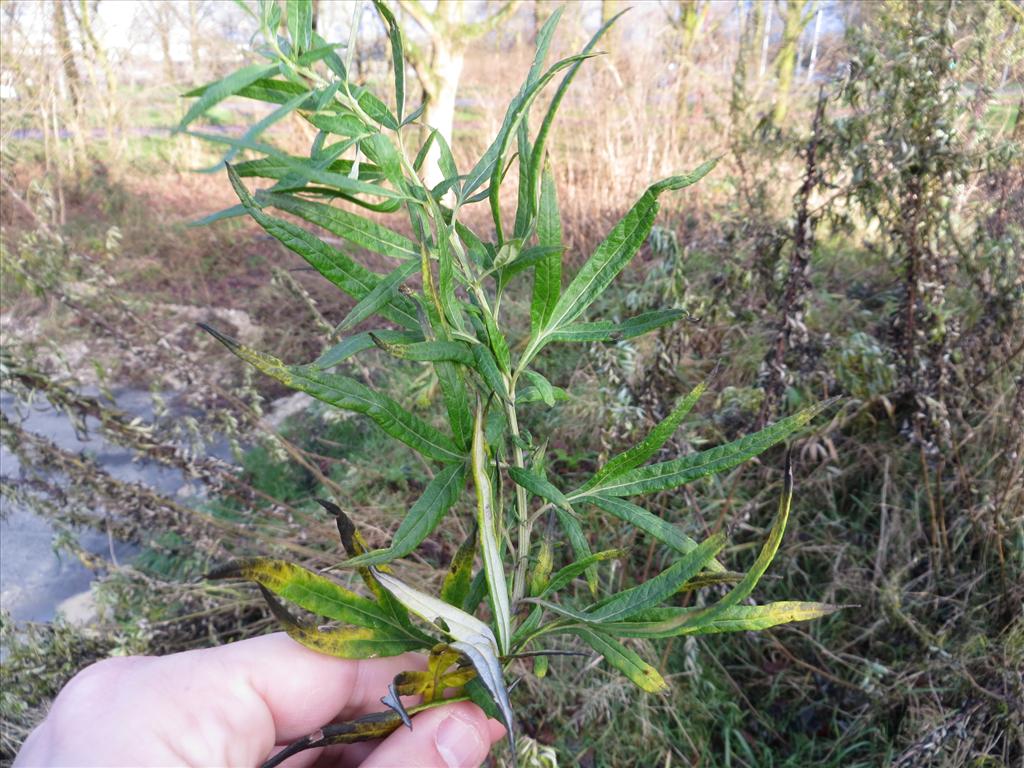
(458, 742)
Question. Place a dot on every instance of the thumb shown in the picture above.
(454, 736)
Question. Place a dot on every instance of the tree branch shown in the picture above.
(420, 15)
(480, 28)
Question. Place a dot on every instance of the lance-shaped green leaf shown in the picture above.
(424, 150)
(300, 25)
(397, 56)
(352, 278)
(566, 575)
(547, 392)
(429, 351)
(624, 659)
(650, 445)
(384, 293)
(348, 394)
(356, 229)
(362, 341)
(528, 395)
(446, 279)
(579, 543)
(690, 622)
(344, 642)
(651, 524)
(485, 365)
(423, 517)
(224, 213)
(214, 93)
(671, 474)
(527, 258)
(517, 112)
(381, 151)
(490, 162)
(446, 161)
(605, 330)
(656, 590)
(306, 170)
(611, 256)
(455, 589)
(540, 578)
(617, 249)
(263, 89)
(473, 639)
(456, 401)
(306, 589)
(341, 123)
(498, 343)
(674, 622)
(743, 589)
(525, 206)
(539, 486)
(548, 272)
(374, 107)
(545, 36)
(488, 533)
(445, 355)
(262, 125)
(537, 155)
(279, 168)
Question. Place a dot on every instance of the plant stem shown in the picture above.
(523, 548)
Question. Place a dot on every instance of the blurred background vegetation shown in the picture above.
(863, 236)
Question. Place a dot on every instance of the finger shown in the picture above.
(224, 706)
(454, 736)
(303, 689)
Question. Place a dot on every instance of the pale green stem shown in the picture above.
(523, 548)
(522, 504)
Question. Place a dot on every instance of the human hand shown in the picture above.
(237, 705)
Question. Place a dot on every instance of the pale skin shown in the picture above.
(237, 704)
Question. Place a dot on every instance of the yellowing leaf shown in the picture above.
(623, 659)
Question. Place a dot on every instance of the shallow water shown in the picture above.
(34, 578)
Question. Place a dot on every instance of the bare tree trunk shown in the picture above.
(440, 111)
(785, 62)
(193, 37)
(440, 70)
(67, 55)
(692, 14)
(747, 30)
(814, 45)
(75, 90)
(163, 18)
(99, 54)
(58, 182)
(608, 9)
(98, 51)
(766, 36)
